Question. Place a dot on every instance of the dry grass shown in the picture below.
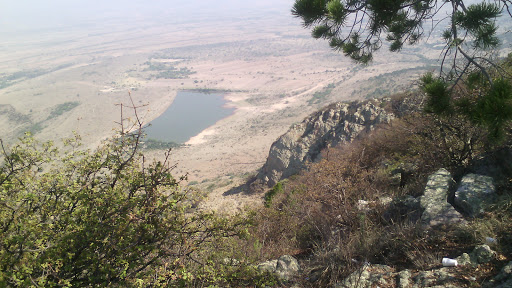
(318, 215)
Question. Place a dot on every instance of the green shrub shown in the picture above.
(105, 218)
(278, 188)
(152, 144)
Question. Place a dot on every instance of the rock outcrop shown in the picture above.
(376, 275)
(338, 123)
(434, 201)
(474, 194)
(369, 276)
(284, 268)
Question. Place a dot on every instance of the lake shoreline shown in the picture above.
(201, 110)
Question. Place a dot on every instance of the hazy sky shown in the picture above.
(20, 15)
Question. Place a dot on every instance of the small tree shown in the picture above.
(359, 28)
(99, 218)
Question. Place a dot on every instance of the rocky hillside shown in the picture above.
(383, 211)
(338, 123)
(473, 195)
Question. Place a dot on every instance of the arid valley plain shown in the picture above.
(54, 81)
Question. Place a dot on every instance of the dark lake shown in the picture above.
(189, 114)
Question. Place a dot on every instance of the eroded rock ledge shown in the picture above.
(336, 124)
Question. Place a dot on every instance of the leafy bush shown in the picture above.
(107, 218)
(152, 144)
(278, 188)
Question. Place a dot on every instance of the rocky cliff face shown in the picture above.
(336, 124)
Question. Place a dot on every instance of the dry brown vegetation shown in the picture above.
(319, 216)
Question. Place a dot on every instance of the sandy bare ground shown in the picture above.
(269, 75)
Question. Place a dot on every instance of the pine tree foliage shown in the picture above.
(359, 28)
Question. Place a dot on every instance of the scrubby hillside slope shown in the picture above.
(363, 205)
(335, 124)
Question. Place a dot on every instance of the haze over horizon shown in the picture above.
(31, 15)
